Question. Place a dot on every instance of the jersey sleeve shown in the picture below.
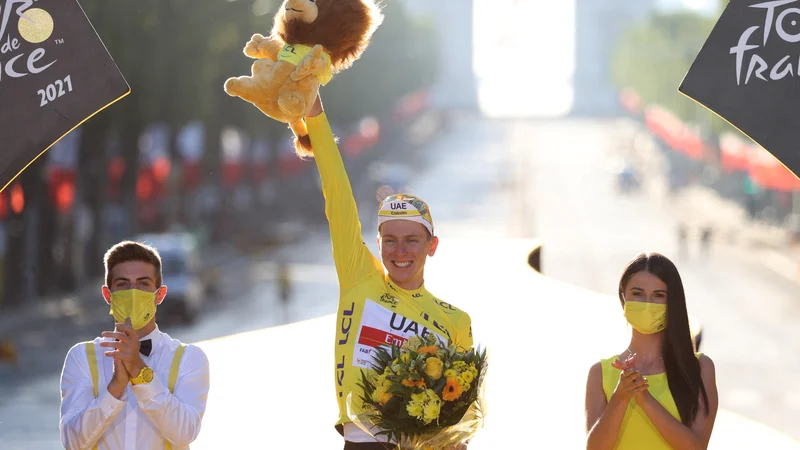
(351, 256)
(464, 331)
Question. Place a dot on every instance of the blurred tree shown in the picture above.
(653, 57)
(176, 55)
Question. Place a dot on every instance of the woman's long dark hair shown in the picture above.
(682, 366)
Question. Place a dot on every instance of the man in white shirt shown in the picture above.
(135, 387)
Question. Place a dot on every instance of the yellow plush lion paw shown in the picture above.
(239, 87)
(316, 57)
(257, 47)
(311, 64)
(231, 85)
(291, 103)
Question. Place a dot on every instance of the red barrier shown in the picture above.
(769, 173)
(735, 152)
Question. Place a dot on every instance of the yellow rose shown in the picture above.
(431, 412)
(414, 409)
(433, 367)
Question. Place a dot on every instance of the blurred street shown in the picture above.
(487, 179)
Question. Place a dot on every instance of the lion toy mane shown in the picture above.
(311, 40)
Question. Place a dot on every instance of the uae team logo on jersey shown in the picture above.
(55, 73)
(381, 326)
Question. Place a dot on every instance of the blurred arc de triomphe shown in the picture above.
(598, 24)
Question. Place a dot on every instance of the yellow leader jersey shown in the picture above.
(373, 311)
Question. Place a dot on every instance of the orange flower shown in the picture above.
(428, 349)
(452, 390)
(384, 397)
(411, 383)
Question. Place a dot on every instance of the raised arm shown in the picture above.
(353, 259)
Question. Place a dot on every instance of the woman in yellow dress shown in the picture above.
(658, 393)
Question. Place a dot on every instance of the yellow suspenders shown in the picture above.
(92, 365)
(173, 375)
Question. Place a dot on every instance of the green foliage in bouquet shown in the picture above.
(421, 387)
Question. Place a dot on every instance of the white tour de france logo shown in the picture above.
(785, 24)
(34, 26)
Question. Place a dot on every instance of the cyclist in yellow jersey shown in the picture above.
(659, 393)
(376, 306)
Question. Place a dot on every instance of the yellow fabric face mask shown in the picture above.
(140, 306)
(646, 318)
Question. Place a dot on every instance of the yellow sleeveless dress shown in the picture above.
(637, 432)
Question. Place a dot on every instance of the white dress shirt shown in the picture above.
(146, 414)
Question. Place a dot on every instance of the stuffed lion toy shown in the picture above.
(311, 40)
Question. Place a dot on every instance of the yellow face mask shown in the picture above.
(646, 318)
(140, 306)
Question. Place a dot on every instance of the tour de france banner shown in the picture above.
(55, 73)
(748, 73)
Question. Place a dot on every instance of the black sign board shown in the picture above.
(748, 73)
(55, 73)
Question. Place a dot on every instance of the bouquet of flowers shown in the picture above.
(425, 394)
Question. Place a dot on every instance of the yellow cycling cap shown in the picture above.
(405, 207)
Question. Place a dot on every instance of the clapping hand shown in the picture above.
(631, 383)
(126, 347)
